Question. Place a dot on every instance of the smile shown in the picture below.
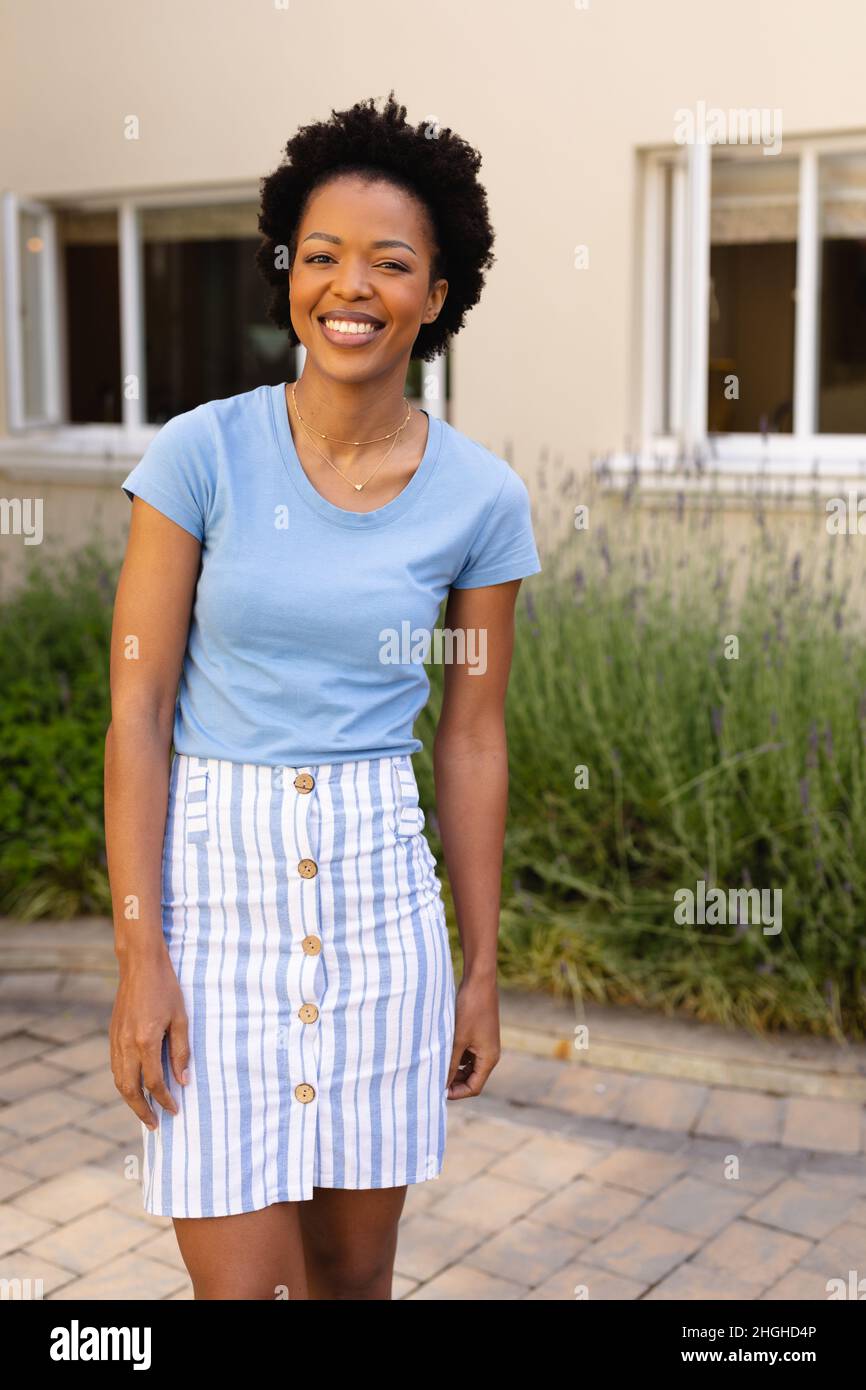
(346, 333)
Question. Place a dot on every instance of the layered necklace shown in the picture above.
(357, 442)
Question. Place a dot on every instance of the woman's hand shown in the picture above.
(149, 1004)
(476, 1038)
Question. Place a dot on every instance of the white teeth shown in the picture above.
(344, 326)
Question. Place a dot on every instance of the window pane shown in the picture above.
(89, 256)
(207, 335)
(842, 369)
(753, 263)
(32, 253)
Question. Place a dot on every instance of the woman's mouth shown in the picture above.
(349, 333)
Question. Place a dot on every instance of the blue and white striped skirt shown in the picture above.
(305, 923)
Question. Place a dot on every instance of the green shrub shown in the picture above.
(54, 713)
(744, 772)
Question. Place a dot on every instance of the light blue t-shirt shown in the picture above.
(304, 638)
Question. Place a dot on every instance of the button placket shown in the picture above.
(311, 945)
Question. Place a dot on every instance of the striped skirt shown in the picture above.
(305, 923)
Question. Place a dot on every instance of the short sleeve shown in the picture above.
(504, 547)
(174, 472)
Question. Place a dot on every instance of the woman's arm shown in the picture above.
(149, 633)
(470, 763)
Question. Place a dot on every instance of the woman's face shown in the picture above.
(363, 261)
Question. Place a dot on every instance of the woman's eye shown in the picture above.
(323, 256)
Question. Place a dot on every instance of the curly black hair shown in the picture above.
(436, 166)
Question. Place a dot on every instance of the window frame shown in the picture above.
(53, 434)
(13, 209)
(805, 451)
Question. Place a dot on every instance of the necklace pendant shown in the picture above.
(358, 486)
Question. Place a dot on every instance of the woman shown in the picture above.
(286, 993)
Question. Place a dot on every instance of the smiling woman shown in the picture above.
(287, 997)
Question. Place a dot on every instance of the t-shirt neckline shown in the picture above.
(380, 516)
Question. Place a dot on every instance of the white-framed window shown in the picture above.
(753, 307)
(122, 312)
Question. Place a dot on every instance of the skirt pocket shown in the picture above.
(197, 802)
(410, 817)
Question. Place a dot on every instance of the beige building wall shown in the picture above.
(558, 98)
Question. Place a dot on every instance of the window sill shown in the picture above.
(743, 475)
(81, 454)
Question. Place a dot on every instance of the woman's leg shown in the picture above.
(254, 1255)
(350, 1240)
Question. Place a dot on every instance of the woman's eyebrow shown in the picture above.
(338, 241)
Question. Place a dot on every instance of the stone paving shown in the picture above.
(562, 1181)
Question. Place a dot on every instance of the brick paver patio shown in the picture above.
(563, 1181)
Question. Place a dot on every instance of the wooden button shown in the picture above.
(304, 782)
(308, 1013)
(311, 945)
(304, 1092)
(308, 868)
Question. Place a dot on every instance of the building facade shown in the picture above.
(678, 302)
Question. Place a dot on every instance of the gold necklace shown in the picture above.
(357, 486)
(333, 438)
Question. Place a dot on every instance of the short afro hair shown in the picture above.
(439, 169)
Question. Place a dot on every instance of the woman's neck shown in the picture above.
(349, 410)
